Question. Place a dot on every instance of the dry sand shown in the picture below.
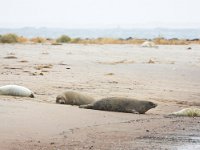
(168, 75)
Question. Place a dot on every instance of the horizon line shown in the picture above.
(85, 28)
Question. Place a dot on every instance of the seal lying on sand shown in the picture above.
(190, 112)
(16, 90)
(120, 104)
(73, 98)
(149, 44)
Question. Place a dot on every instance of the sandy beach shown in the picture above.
(167, 75)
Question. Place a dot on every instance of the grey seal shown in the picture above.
(120, 104)
(73, 98)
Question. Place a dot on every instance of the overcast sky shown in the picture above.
(99, 13)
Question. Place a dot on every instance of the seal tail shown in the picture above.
(89, 106)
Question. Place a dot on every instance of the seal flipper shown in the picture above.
(32, 95)
(132, 111)
(89, 106)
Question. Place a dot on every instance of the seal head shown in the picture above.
(73, 98)
(60, 99)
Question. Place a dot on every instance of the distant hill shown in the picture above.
(113, 33)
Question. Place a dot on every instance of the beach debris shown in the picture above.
(11, 53)
(109, 74)
(34, 74)
(113, 82)
(44, 71)
(13, 68)
(151, 61)
(23, 61)
(62, 63)
(54, 43)
(37, 73)
(124, 61)
(39, 67)
(10, 57)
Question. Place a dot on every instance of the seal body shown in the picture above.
(16, 90)
(120, 104)
(149, 44)
(73, 98)
(190, 112)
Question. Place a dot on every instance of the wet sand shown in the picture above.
(168, 75)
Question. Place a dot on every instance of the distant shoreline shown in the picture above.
(14, 38)
(116, 33)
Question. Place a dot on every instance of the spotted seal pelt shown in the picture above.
(16, 90)
(190, 112)
(73, 98)
(120, 104)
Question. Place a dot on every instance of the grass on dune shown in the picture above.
(13, 38)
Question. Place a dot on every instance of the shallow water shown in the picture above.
(113, 33)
